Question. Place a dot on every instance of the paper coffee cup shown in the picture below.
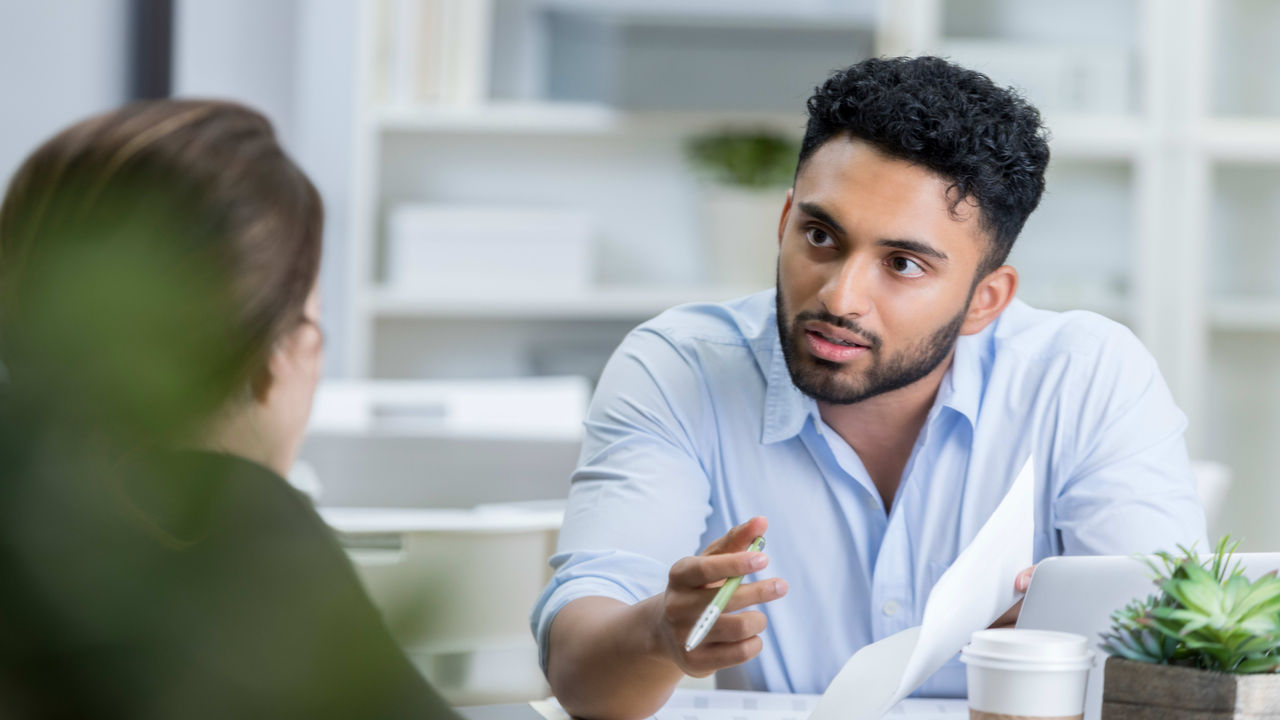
(1027, 674)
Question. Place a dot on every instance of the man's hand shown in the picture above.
(610, 660)
(692, 583)
(1020, 584)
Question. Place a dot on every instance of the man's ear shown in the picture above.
(991, 296)
(786, 212)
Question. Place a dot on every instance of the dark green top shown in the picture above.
(183, 586)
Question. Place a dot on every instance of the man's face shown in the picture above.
(875, 273)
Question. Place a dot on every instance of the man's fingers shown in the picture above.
(690, 605)
(738, 538)
(737, 627)
(1023, 581)
(761, 591)
(696, 572)
(708, 658)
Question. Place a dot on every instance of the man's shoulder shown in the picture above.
(1036, 334)
(709, 345)
(747, 321)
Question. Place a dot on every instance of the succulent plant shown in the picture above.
(1204, 616)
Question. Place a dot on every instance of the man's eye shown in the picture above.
(906, 267)
(818, 237)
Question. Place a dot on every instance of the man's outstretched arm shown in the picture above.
(608, 660)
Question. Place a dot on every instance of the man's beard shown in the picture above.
(821, 379)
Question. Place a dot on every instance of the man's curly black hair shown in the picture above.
(986, 140)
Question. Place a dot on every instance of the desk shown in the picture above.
(510, 711)
(722, 702)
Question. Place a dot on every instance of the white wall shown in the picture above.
(60, 60)
(239, 49)
(294, 61)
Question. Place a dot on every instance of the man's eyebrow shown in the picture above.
(816, 212)
(915, 246)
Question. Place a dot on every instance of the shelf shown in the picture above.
(1102, 137)
(628, 303)
(1072, 136)
(1245, 314)
(1113, 305)
(509, 118)
(1243, 140)
(768, 14)
(565, 118)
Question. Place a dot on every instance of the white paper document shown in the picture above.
(975, 591)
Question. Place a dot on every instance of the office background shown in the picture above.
(509, 190)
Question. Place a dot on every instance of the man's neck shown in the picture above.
(883, 429)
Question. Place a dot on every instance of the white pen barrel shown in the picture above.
(703, 626)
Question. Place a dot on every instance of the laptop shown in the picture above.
(1078, 595)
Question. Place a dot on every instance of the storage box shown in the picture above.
(443, 443)
(480, 250)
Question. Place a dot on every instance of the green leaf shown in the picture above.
(1236, 588)
(1195, 593)
(1258, 665)
(1258, 595)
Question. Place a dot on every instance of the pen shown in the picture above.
(717, 605)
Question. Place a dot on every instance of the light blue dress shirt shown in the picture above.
(696, 427)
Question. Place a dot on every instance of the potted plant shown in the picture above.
(1206, 646)
(747, 174)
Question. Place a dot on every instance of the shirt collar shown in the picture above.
(786, 409)
(961, 388)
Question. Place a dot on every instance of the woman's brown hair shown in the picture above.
(152, 257)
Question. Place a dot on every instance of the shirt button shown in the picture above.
(890, 608)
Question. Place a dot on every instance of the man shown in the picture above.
(875, 408)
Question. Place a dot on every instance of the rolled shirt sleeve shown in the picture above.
(640, 496)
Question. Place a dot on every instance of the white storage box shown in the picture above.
(442, 443)
(480, 250)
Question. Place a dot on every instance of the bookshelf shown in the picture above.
(1159, 211)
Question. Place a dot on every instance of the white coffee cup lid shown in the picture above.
(1028, 646)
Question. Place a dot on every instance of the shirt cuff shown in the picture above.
(622, 576)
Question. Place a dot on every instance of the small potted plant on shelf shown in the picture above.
(747, 174)
(1206, 646)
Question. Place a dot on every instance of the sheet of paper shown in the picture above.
(745, 705)
(970, 595)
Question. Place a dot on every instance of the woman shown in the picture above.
(158, 322)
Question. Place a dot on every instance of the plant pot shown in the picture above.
(1143, 691)
(741, 230)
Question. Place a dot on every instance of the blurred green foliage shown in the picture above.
(747, 159)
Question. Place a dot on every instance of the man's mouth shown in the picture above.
(833, 348)
(836, 340)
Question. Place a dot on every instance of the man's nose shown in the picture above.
(847, 292)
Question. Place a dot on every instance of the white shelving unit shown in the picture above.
(1239, 173)
(1156, 191)
(617, 303)
(600, 153)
